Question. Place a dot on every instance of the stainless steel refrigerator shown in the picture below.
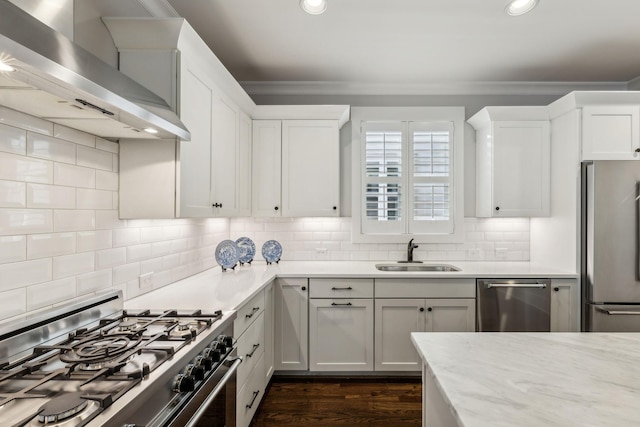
(610, 242)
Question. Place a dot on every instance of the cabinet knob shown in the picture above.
(217, 205)
(637, 150)
(430, 309)
(497, 208)
(304, 288)
(276, 208)
(421, 309)
(556, 289)
(335, 208)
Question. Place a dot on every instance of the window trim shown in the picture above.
(455, 115)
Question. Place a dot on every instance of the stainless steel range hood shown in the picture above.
(57, 80)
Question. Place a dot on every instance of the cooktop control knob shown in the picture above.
(227, 341)
(195, 371)
(184, 383)
(205, 362)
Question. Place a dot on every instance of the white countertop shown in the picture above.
(214, 289)
(536, 379)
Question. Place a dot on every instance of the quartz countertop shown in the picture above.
(228, 290)
(535, 379)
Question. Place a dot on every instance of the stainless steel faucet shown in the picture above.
(410, 247)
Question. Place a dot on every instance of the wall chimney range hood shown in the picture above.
(59, 81)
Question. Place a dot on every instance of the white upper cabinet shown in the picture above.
(296, 160)
(513, 161)
(611, 132)
(211, 171)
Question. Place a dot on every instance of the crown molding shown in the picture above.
(453, 88)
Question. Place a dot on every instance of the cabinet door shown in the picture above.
(450, 315)
(243, 186)
(196, 112)
(395, 319)
(291, 322)
(565, 306)
(266, 168)
(341, 334)
(224, 146)
(268, 331)
(610, 132)
(521, 168)
(310, 168)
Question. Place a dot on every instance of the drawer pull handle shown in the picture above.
(255, 347)
(348, 288)
(254, 311)
(335, 304)
(255, 396)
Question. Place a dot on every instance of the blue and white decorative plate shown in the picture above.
(227, 254)
(271, 251)
(247, 250)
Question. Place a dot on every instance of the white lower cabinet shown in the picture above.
(341, 334)
(250, 394)
(268, 331)
(291, 325)
(565, 305)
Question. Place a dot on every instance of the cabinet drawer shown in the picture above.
(341, 288)
(425, 288)
(250, 348)
(248, 313)
(250, 395)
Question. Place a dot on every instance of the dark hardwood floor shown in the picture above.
(341, 402)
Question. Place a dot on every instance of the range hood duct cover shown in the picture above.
(48, 61)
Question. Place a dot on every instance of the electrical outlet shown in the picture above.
(474, 253)
(146, 280)
(501, 253)
(321, 250)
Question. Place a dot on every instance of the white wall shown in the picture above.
(60, 236)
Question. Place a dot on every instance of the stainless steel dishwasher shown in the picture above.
(513, 305)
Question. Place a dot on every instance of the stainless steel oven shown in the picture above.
(513, 305)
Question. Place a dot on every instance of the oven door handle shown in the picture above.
(217, 389)
(618, 312)
(516, 285)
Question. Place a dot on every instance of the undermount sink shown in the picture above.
(416, 267)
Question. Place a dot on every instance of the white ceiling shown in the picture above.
(421, 41)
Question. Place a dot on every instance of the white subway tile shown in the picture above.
(50, 196)
(116, 200)
(74, 220)
(170, 261)
(161, 248)
(20, 274)
(20, 168)
(47, 147)
(73, 176)
(14, 303)
(72, 265)
(73, 135)
(107, 220)
(138, 252)
(25, 121)
(125, 273)
(115, 163)
(126, 237)
(93, 240)
(93, 158)
(49, 245)
(111, 258)
(152, 234)
(105, 145)
(94, 199)
(152, 265)
(47, 294)
(25, 221)
(106, 180)
(13, 194)
(13, 249)
(94, 281)
(13, 140)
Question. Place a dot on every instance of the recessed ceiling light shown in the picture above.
(313, 7)
(520, 7)
(150, 130)
(6, 67)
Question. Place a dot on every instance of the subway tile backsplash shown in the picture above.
(61, 237)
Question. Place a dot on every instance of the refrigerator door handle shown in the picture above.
(516, 285)
(618, 312)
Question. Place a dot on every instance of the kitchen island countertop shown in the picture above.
(214, 289)
(532, 379)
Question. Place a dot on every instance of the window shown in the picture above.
(406, 171)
